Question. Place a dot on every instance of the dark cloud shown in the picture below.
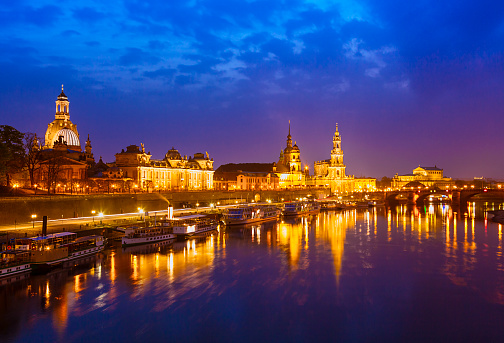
(156, 45)
(70, 33)
(163, 73)
(202, 65)
(135, 56)
(42, 16)
(88, 15)
(92, 43)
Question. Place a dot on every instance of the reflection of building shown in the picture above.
(174, 172)
(289, 165)
(331, 173)
(427, 176)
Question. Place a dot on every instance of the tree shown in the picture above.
(385, 182)
(51, 169)
(11, 153)
(33, 155)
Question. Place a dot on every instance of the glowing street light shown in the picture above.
(93, 213)
(33, 216)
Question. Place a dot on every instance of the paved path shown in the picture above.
(31, 229)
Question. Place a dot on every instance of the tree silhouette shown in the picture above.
(11, 153)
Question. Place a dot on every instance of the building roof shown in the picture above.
(246, 167)
(430, 168)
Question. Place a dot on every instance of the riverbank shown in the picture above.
(18, 211)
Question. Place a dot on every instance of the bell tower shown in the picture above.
(289, 138)
(337, 168)
(62, 125)
(62, 106)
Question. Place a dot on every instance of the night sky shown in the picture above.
(408, 83)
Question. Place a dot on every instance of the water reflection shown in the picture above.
(336, 275)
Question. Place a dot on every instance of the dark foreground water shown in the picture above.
(401, 275)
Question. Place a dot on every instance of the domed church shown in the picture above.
(61, 129)
(61, 155)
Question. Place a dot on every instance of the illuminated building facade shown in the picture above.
(62, 160)
(288, 167)
(331, 173)
(246, 176)
(427, 176)
(174, 172)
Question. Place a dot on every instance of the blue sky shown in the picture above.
(408, 83)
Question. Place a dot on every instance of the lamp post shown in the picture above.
(93, 213)
(33, 216)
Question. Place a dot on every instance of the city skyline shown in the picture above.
(407, 86)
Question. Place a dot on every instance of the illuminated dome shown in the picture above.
(69, 137)
(173, 154)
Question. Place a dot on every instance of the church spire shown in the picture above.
(289, 138)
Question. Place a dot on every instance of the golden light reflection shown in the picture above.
(47, 295)
(113, 271)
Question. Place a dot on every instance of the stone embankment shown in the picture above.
(15, 211)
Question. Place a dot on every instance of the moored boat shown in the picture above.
(14, 262)
(251, 214)
(189, 226)
(52, 250)
(142, 235)
(331, 206)
(296, 208)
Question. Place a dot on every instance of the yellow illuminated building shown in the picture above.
(427, 176)
(331, 173)
(288, 167)
(174, 172)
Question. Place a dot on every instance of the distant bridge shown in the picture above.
(458, 197)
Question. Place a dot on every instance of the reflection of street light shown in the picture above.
(33, 216)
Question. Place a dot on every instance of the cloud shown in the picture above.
(163, 73)
(92, 43)
(88, 15)
(136, 56)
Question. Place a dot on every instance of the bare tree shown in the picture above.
(51, 169)
(33, 155)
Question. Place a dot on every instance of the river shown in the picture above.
(364, 275)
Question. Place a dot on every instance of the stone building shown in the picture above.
(246, 176)
(288, 167)
(331, 173)
(63, 164)
(427, 176)
(173, 172)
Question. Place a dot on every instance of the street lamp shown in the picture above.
(33, 216)
(93, 213)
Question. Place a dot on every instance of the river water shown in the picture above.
(424, 274)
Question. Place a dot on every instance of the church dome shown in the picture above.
(173, 154)
(69, 137)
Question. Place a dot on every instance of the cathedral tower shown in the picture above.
(337, 168)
